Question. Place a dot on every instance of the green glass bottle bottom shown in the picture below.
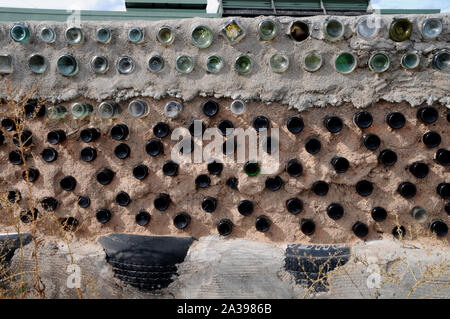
(345, 62)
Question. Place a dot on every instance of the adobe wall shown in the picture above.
(276, 96)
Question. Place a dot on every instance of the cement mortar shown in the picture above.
(406, 142)
(221, 268)
(295, 88)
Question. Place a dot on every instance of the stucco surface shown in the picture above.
(295, 88)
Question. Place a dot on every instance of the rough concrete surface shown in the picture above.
(218, 268)
(296, 88)
(186, 197)
(247, 264)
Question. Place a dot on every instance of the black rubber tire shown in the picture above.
(9, 244)
(308, 264)
(145, 262)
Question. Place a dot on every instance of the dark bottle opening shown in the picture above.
(335, 211)
(33, 175)
(202, 181)
(363, 119)
(140, 171)
(379, 214)
(447, 208)
(261, 123)
(49, 204)
(154, 147)
(419, 170)
(252, 168)
(142, 218)
(229, 146)
(84, 201)
(69, 224)
(299, 31)
(274, 183)
(215, 167)
(431, 139)
(56, 137)
(443, 157)
(32, 110)
(49, 154)
(103, 215)
(245, 207)
(443, 190)
(320, 188)
(294, 206)
(407, 190)
(26, 138)
(29, 216)
(439, 228)
(225, 127)
(399, 232)
(364, 188)
(270, 145)
(371, 141)
(427, 114)
(225, 227)
(119, 132)
(123, 199)
(122, 151)
(170, 168)
(88, 154)
(360, 229)
(395, 120)
(68, 183)
(210, 108)
(313, 145)
(197, 128)
(340, 164)
(181, 220)
(8, 124)
(162, 202)
(294, 168)
(295, 124)
(105, 176)
(161, 129)
(333, 124)
(262, 223)
(387, 157)
(14, 196)
(209, 204)
(89, 135)
(15, 158)
(307, 226)
(232, 182)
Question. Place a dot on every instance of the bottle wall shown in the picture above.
(187, 194)
(298, 86)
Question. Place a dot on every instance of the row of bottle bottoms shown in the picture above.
(294, 124)
(139, 108)
(344, 62)
(268, 29)
(335, 211)
(154, 147)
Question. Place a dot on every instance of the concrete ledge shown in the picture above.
(218, 268)
(295, 88)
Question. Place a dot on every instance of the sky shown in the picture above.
(444, 5)
(119, 5)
